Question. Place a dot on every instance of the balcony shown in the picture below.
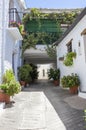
(14, 18)
(14, 21)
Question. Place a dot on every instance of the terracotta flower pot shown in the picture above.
(56, 82)
(22, 83)
(74, 90)
(4, 97)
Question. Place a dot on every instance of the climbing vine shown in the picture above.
(30, 39)
(28, 42)
(64, 17)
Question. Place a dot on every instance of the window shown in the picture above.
(83, 32)
(69, 46)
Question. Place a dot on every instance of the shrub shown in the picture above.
(24, 73)
(54, 74)
(70, 81)
(10, 86)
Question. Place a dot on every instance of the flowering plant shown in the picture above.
(19, 25)
(13, 23)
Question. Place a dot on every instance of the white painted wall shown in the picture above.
(17, 57)
(4, 5)
(9, 47)
(7, 42)
(1, 16)
(79, 65)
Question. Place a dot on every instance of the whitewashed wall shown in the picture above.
(7, 43)
(1, 16)
(17, 57)
(9, 49)
(4, 5)
(79, 65)
(12, 44)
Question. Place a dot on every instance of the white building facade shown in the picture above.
(76, 35)
(10, 37)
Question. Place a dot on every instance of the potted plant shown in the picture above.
(68, 61)
(4, 97)
(9, 86)
(72, 82)
(34, 73)
(50, 73)
(13, 24)
(24, 74)
(56, 77)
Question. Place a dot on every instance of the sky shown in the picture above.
(56, 4)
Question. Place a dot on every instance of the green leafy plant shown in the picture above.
(28, 42)
(85, 114)
(24, 73)
(69, 59)
(54, 74)
(10, 86)
(13, 88)
(50, 73)
(21, 29)
(4, 88)
(70, 81)
(51, 51)
(8, 76)
(64, 17)
(34, 73)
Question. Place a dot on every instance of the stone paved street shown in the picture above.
(43, 106)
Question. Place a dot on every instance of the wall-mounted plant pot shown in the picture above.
(61, 58)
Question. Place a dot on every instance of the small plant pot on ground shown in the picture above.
(74, 90)
(72, 82)
(4, 97)
(56, 82)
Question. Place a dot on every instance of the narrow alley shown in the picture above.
(43, 106)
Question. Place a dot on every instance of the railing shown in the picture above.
(14, 18)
